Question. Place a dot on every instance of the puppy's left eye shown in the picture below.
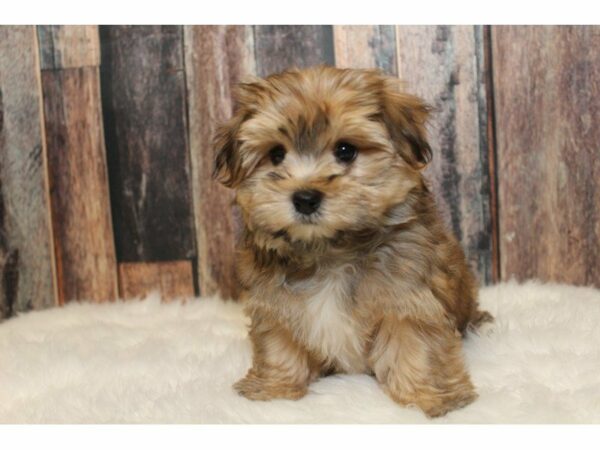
(277, 154)
(345, 152)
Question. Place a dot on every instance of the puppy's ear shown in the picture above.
(229, 168)
(228, 165)
(405, 117)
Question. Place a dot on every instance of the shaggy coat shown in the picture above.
(371, 281)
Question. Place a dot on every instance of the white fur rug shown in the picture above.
(143, 361)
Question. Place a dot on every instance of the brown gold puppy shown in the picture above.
(346, 263)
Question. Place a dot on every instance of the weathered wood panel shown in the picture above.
(280, 47)
(547, 115)
(216, 58)
(445, 66)
(9, 263)
(143, 98)
(26, 251)
(85, 254)
(490, 123)
(172, 279)
(68, 46)
(366, 47)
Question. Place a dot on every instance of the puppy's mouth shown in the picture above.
(310, 219)
(305, 228)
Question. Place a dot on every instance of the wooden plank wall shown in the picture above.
(105, 136)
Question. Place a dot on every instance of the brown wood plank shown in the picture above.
(490, 123)
(216, 58)
(26, 251)
(445, 66)
(172, 279)
(547, 114)
(68, 46)
(366, 47)
(280, 47)
(144, 106)
(85, 254)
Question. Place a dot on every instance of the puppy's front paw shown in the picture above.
(434, 402)
(257, 388)
(440, 405)
(482, 324)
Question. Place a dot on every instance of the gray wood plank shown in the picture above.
(366, 47)
(445, 66)
(26, 250)
(280, 47)
(144, 107)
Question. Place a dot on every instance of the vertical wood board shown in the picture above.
(281, 47)
(85, 254)
(144, 106)
(68, 46)
(366, 47)
(26, 251)
(445, 66)
(547, 92)
(216, 58)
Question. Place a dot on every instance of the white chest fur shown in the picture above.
(328, 325)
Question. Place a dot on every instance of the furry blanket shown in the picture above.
(144, 361)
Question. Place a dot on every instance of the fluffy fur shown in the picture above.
(147, 362)
(371, 282)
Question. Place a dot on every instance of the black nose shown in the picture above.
(308, 201)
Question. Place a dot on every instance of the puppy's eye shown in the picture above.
(277, 154)
(345, 152)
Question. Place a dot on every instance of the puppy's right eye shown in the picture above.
(345, 152)
(277, 154)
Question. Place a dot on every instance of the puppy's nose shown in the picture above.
(307, 201)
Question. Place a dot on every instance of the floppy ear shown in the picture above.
(228, 165)
(405, 117)
(229, 168)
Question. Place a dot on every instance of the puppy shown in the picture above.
(346, 263)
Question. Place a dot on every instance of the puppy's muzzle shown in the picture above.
(307, 201)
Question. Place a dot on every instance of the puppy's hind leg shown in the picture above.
(281, 368)
(421, 364)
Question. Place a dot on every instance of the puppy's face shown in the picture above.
(323, 150)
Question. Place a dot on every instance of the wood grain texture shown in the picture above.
(487, 72)
(143, 93)
(280, 47)
(85, 254)
(26, 251)
(68, 46)
(366, 47)
(9, 264)
(445, 66)
(547, 114)
(216, 58)
(172, 280)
